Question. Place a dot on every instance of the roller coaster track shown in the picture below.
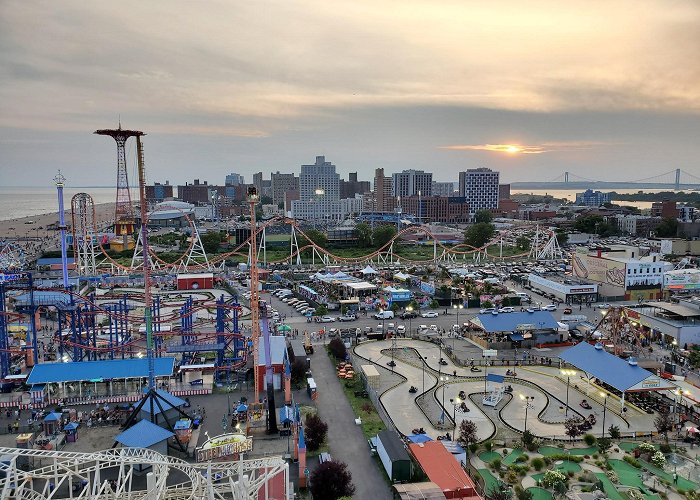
(460, 250)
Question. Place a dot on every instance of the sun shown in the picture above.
(512, 149)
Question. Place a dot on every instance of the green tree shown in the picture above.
(321, 310)
(382, 235)
(668, 228)
(331, 481)
(211, 241)
(483, 216)
(315, 236)
(479, 234)
(364, 234)
(523, 243)
(562, 236)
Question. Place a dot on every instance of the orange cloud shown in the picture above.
(514, 149)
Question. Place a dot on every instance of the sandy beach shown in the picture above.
(31, 233)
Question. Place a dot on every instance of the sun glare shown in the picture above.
(513, 149)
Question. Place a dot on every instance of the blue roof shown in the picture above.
(286, 414)
(45, 373)
(172, 401)
(278, 350)
(607, 367)
(53, 417)
(492, 377)
(419, 438)
(508, 322)
(71, 426)
(302, 441)
(143, 435)
(183, 424)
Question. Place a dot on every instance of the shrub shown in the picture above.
(512, 477)
(473, 447)
(589, 439)
(522, 458)
(315, 431)
(553, 478)
(537, 463)
(665, 448)
(647, 447)
(658, 459)
(337, 348)
(496, 463)
(488, 445)
(632, 461)
(614, 432)
(523, 494)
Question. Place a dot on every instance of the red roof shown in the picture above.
(443, 469)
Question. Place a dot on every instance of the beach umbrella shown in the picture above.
(284, 328)
(693, 430)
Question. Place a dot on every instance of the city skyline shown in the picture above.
(443, 87)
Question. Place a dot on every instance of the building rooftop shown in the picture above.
(143, 435)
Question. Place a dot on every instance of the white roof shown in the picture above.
(197, 367)
(193, 276)
(362, 285)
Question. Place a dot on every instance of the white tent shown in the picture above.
(368, 270)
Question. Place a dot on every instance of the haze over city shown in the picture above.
(604, 90)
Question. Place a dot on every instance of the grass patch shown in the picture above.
(539, 493)
(609, 487)
(512, 456)
(490, 481)
(631, 445)
(548, 451)
(489, 456)
(683, 483)
(372, 423)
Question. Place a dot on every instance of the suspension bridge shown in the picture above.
(676, 179)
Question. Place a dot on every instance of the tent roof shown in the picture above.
(143, 435)
(607, 367)
(677, 309)
(171, 401)
(44, 373)
(509, 322)
(368, 270)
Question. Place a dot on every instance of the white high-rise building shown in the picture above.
(480, 188)
(410, 182)
(319, 192)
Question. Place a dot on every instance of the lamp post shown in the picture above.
(443, 380)
(423, 362)
(409, 310)
(605, 409)
(455, 403)
(567, 374)
(677, 400)
(527, 400)
(457, 307)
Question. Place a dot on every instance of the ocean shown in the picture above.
(570, 194)
(16, 202)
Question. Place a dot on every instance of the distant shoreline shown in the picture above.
(19, 226)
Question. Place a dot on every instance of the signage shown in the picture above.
(651, 383)
(525, 327)
(490, 353)
(224, 446)
(427, 287)
(682, 279)
(598, 269)
(10, 277)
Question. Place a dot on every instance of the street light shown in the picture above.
(409, 310)
(457, 307)
(680, 395)
(527, 400)
(568, 374)
(605, 408)
(455, 403)
(444, 380)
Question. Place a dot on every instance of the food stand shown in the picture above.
(183, 430)
(71, 431)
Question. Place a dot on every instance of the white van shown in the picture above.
(384, 315)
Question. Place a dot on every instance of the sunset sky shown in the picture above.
(604, 89)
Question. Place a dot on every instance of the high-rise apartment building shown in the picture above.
(384, 200)
(258, 181)
(504, 191)
(352, 187)
(158, 192)
(479, 187)
(592, 198)
(443, 188)
(319, 191)
(411, 182)
(280, 184)
(234, 179)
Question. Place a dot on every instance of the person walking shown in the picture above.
(675, 478)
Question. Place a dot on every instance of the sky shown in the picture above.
(606, 90)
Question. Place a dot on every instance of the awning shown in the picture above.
(516, 337)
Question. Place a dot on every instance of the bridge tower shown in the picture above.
(566, 177)
(678, 179)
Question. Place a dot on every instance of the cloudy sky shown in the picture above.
(604, 89)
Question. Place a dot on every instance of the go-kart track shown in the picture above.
(541, 388)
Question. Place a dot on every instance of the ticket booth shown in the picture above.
(311, 388)
(71, 431)
(183, 430)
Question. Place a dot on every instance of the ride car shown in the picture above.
(429, 314)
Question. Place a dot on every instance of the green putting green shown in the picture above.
(489, 456)
(584, 451)
(683, 483)
(628, 475)
(631, 445)
(539, 493)
(609, 487)
(490, 481)
(565, 466)
(512, 457)
(548, 451)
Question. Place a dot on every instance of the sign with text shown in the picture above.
(490, 353)
(224, 445)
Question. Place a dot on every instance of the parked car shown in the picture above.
(408, 314)
(549, 307)
(327, 319)
(568, 310)
(603, 306)
(487, 310)
(429, 314)
(347, 317)
(507, 309)
(384, 315)
(401, 330)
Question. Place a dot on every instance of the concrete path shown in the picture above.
(346, 440)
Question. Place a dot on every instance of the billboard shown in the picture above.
(682, 279)
(598, 269)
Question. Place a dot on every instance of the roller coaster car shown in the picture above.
(413, 389)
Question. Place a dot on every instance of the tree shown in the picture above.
(614, 432)
(298, 370)
(604, 444)
(467, 433)
(315, 236)
(364, 234)
(382, 235)
(552, 478)
(663, 422)
(337, 348)
(500, 492)
(572, 428)
(529, 441)
(315, 431)
(321, 310)
(483, 216)
(668, 228)
(211, 241)
(479, 234)
(331, 480)
(523, 243)
(562, 236)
